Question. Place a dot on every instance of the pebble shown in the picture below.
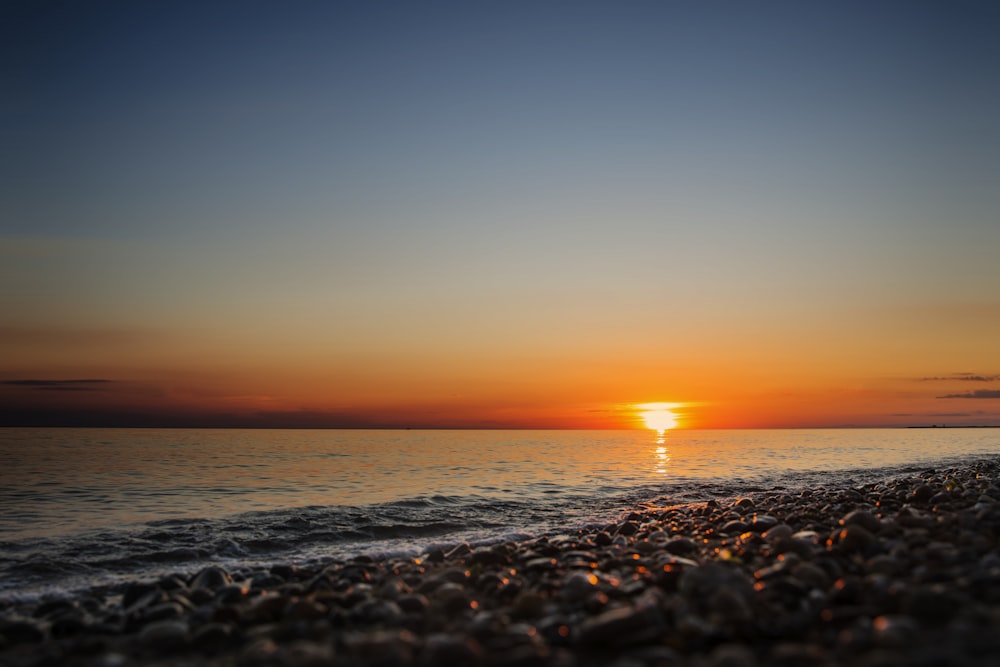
(854, 538)
(22, 631)
(211, 578)
(732, 655)
(164, 635)
(932, 604)
(864, 519)
(778, 532)
(680, 545)
(446, 650)
(624, 626)
(879, 575)
(734, 527)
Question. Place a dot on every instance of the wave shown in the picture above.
(51, 565)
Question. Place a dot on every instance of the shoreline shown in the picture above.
(902, 572)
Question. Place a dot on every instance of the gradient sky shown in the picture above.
(499, 214)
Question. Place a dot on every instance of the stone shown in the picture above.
(388, 648)
(734, 527)
(778, 532)
(883, 564)
(923, 493)
(854, 538)
(811, 575)
(442, 649)
(866, 520)
(680, 546)
(412, 603)
(165, 635)
(212, 635)
(894, 631)
(528, 605)
(577, 586)
(762, 523)
(732, 655)
(163, 612)
(623, 626)
(931, 604)
(628, 528)
(211, 578)
(22, 631)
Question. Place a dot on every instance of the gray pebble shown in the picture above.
(165, 635)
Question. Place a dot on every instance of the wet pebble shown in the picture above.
(623, 626)
(854, 538)
(165, 635)
(443, 649)
(211, 578)
(864, 519)
(680, 545)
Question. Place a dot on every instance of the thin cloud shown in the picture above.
(88, 384)
(979, 393)
(962, 377)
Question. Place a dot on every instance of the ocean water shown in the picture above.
(86, 507)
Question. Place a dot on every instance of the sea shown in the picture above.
(85, 508)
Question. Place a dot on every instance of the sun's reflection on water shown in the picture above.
(661, 456)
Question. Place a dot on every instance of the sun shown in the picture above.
(658, 416)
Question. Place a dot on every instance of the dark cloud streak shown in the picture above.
(979, 393)
(88, 384)
(962, 377)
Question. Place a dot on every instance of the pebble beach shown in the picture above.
(900, 572)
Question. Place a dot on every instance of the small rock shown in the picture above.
(164, 635)
(458, 551)
(811, 575)
(262, 651)
(413, 602)
(854, 538)
(866, 520)
(628, 528)
(305, 610)
(212, 635)
(211, 578)
(578, 586)
(163, 612)
(22, 631)
(778, 532)
(734, 527)
(442, 649)
(883, 564)
(680, 546)
(763, 523)
(382, 647)
(931, 604)
(923, 493)
(732, 655)
(894, 631)
(700, 584)
(383, 612)
(134, 591)
(624, 626)
(799, 547)
(797, 655)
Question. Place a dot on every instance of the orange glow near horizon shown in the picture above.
(658, 416)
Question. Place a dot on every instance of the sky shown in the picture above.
(499, 214)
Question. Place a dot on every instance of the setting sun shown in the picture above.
(658, 416)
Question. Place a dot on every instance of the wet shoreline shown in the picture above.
(900, 572)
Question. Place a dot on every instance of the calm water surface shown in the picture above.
(92, 503)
